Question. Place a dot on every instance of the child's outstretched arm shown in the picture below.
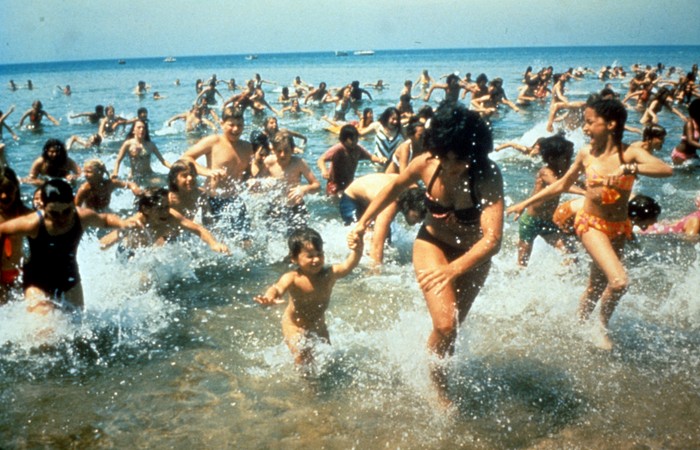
(273, 294)
(204, 234)
(356, 245)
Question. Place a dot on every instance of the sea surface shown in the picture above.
(172, 352)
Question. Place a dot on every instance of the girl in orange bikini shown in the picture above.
(11, 247)
(603, 226)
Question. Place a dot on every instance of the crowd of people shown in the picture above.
(433, 166)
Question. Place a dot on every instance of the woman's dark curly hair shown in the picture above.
(61, 153)
(454, 128)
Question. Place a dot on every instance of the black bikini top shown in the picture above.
(466, 216)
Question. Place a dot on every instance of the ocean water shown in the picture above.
(171, 350)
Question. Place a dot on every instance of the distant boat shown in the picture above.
(364, 53)
(169, 59)
(121, 61)
(251, 57)
(341, 53)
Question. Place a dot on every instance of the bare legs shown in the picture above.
(608, 279)
(448, 308)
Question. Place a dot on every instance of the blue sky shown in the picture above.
(55, 30)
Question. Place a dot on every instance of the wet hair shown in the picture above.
(259, 139)
(348, 132)
(146, 134)
(299, 238)
(176, 168)
(413, 200)
(37, 104)
(8, 177)
(98, 166)
(56, 190)
(142, 110)
(386, 115)
(454, 128)
(482, 78)
(653, 131)
(608, 93)
(642, 207)
(557, 152)
(610, 110)
(232, 114)
(283, 138)
(285, 91)
(366, 111)
(425, 112)
(62, 155)
(152, 197)
(100, 110)
(452, 79)
(413, 124)
(694, 110)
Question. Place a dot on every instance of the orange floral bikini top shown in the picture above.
(609, 194)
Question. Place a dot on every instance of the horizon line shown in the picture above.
(347, 50)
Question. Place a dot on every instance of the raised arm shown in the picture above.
(356, 245)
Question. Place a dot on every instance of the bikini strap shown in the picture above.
(433, 178)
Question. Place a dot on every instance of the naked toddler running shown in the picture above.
(309, 287)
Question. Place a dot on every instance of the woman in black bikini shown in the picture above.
(464, 225)
(51, 276)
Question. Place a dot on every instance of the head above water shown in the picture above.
(61, 154)
(348, 132)
(299, 239)
(653, 131)
(411, 203)
(557, 152)
(458, 130)
(9, 189)
(610, 110)
(177, 168)
(153, 197)
(56, 190)
(643, 210)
